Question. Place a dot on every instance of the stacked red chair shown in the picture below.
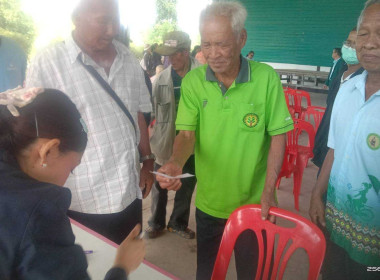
(297, 156)
(317, 112)
(304, 235)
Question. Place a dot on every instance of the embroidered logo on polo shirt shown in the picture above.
(373, 141)
(251, 120)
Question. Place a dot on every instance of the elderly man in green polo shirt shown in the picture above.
(233, 115)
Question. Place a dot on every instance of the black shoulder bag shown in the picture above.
(110, 91)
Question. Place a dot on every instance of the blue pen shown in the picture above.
(88, 252)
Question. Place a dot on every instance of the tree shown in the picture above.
(166, 20)
(15, 24)
(166, 10)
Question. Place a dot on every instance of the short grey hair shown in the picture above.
(366, 6)
(232, 10)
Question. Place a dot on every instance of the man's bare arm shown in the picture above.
(317, 207)
(146, 178)
(183, 148)
(274, 164)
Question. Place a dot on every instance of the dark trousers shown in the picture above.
(115, 226)
(179, 218)
(209, 235)
(338, 265)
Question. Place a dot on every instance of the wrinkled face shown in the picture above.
(368, 40)
(179, 60)
(221, 47)
(98, 24)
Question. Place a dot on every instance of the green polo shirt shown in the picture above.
(233, 131)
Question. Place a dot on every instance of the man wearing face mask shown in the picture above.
(352, 69)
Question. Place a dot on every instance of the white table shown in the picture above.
(104, 252)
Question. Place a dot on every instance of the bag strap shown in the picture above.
(110, 91)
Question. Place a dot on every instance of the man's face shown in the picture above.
(368, 40)
(221, 47)
(351, 40)
(179, 60)
(250, 55)
(334, 55)
(98, 24)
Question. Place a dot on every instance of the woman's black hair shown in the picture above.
(51, 115)
(196, 49)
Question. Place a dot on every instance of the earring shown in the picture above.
(43, 165)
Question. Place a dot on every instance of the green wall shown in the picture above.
(299, 31)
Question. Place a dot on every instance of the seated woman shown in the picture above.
(42, 139)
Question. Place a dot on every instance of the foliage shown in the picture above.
(15, 24)
(156, 34)
(166, 10)
(136, 50)
(166, 21)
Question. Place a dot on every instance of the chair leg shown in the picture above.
(296, 187)
(278, 182)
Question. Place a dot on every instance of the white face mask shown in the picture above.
(349, 55)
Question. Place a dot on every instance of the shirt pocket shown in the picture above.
(164, 103)
(250, 117)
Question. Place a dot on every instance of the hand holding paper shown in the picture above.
(167, 176)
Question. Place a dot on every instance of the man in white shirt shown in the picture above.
(107, 186)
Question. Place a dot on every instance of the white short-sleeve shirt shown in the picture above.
(107, 180)
(353, 196)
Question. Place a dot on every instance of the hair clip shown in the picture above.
(84, 126)
(18, 97)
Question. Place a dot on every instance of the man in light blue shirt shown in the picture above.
(351, 170)
(12, 64)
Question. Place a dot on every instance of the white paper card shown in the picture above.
(186, 175)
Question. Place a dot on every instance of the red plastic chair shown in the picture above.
(289, 167)
(304, 235)
(289, 97)
(300, 110)
(317, 113)
(297, 156)
(304, 152)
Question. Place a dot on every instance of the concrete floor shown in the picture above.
(178, 256)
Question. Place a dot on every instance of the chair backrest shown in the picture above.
(305, 95)
(290, 102)
(299, 95)
(317, 113)
(292, 142)
(304, 235)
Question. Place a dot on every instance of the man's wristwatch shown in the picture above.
(144, 158)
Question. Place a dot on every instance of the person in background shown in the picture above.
(250, 55)
(91, 67)
(42, 140)
(226, 106)
(159, 69)
(200, 57)
(350, 173)
(151, 59)
(166, 96)
(337, 64)
(195, 50)
(352, 69)
(12, 64)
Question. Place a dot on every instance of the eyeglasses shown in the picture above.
(349, 44)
